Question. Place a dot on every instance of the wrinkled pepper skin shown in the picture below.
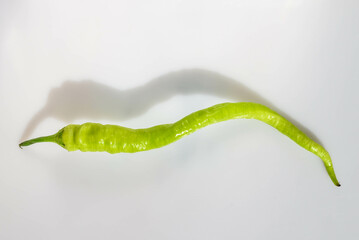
(93, 137)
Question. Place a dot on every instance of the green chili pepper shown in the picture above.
(93, 137)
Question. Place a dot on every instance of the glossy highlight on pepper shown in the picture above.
(95, 137)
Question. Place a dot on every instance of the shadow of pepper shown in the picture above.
(88, 99)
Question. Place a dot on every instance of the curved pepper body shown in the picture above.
(92, 137)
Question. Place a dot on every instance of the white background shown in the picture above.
(142, 63)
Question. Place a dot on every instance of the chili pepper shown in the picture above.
(93, 137)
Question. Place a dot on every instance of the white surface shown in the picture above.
(141, 63)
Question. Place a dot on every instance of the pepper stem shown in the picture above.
(55, 138)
